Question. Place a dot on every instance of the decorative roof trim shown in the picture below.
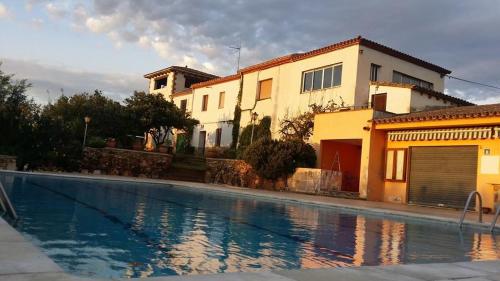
(341, 45)
(216, 81)
(187, 70)
(184, 92)
(464, 112)
(429, 92)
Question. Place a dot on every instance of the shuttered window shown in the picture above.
(204, 103)
(265, 87)
(395, 165)
(222, 96)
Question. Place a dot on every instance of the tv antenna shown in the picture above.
(238, 49)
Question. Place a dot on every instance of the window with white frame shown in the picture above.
(323, 78)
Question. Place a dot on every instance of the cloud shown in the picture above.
(48, 80)
(4, 12)
(56, 11)
(461, 36)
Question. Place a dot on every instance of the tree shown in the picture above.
(260, 131)
(275, 159)
(300, 127)
(60, 128)
(153, 114)
(18, 114)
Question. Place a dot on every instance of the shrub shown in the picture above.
(273, 159)
(96, 142)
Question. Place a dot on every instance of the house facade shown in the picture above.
(352, 73)
(433, 158)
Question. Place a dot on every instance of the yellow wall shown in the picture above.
(347, 125)
(393, 190)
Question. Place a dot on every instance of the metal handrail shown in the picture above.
(6, 204)
(469, 199)
(495, 219)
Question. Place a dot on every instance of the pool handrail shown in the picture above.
(6, 204)
(466, 207)
(495, 218)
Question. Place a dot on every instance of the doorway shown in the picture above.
(201, 142)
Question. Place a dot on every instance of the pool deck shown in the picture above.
(21, 260)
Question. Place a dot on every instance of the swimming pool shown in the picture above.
(104, 228)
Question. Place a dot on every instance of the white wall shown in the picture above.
(215, 117)
(388, 65)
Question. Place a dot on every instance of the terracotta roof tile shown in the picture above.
(461, 112)
(184, 92)
(182, 69)
(341, 45)
(216, 81)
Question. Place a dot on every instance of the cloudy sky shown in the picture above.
(74, 45)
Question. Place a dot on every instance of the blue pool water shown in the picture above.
(101, 228)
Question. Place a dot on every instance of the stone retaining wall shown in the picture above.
(123, 162)
(230, 171)
(8, 162)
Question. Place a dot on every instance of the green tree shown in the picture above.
(275, 159)
(60, 128)
(18, 114)
(260, 131)
(155, 115)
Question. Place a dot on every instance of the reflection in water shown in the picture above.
(117, 229)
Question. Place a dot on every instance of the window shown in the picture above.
(160, 83)
(218, 136)
(204, 103)
(395, 168)
(398, 77)
(265, 87)
(323, 78)
(222, 96)
(374, 68)
(184, 105)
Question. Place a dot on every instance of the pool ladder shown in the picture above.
(6, 204)
(472, 195)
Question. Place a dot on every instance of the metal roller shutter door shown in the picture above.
(442, 176)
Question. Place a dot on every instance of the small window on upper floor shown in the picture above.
(398, 77)
(161, 83)
(183, 106)
(204, 103)
(323, 78)
(265, 89)
(374, 71)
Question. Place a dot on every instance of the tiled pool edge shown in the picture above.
(279, 196)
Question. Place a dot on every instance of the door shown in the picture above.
(379, 102)
(442, 176)
(180, 144)
(201, 142)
